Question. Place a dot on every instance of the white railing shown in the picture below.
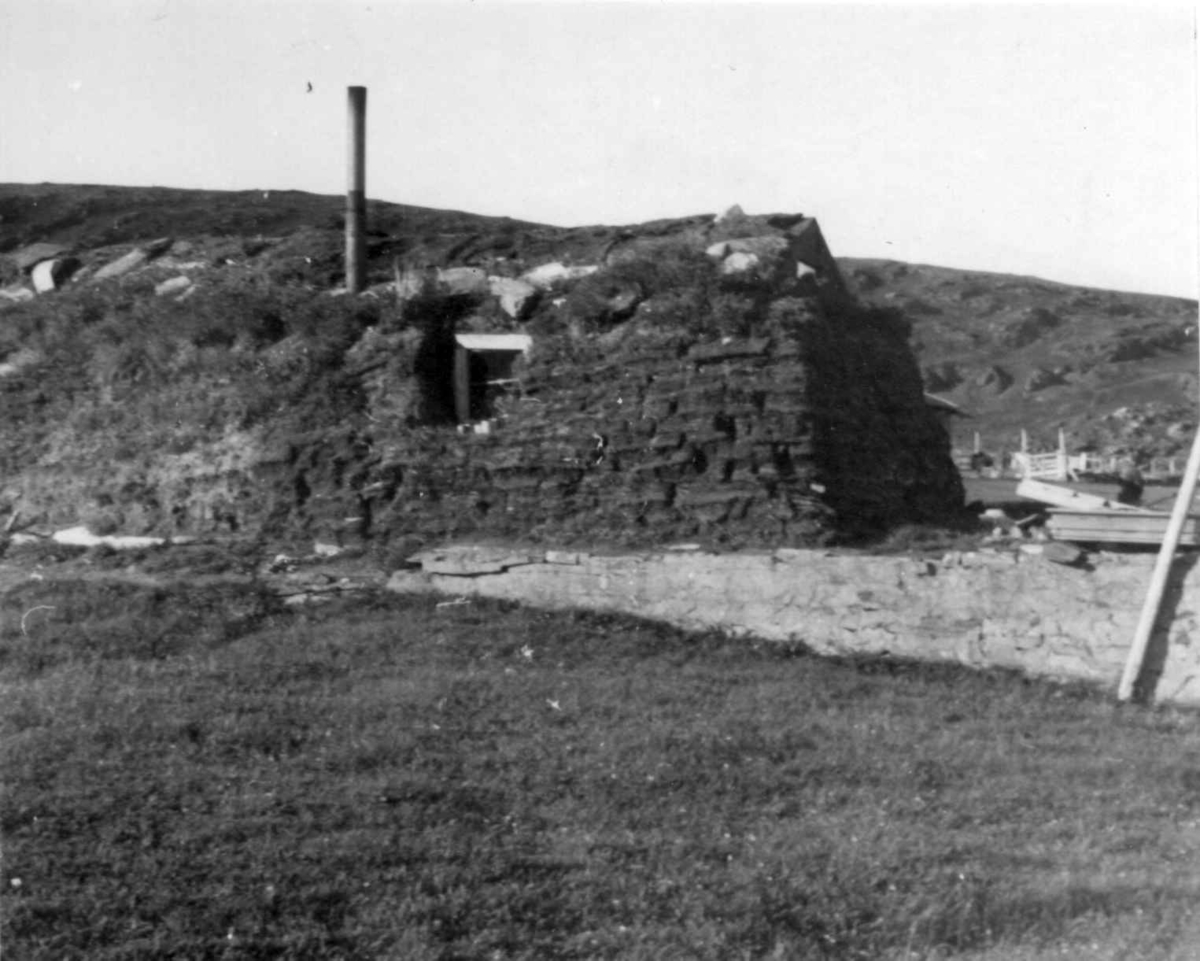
(1052, 466)
(1057, 465)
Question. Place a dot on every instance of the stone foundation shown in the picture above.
(1013, 609)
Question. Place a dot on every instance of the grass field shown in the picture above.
(198, 774)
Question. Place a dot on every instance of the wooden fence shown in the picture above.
(1059, 465)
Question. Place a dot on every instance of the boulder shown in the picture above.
(463, 281)
(42, 276)
(742, 263)
(16, 295)
(122, 265)
(81, 536)
(772, 248)
(556, 275)
(28, 257)
(516, 297)
(734, 213)
(752, 258)
(47, 275)
(174, 285)
(807, 282)
(134, 259)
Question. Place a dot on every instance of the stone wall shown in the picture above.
(1012, 609)
(708, 379)
(712, 383)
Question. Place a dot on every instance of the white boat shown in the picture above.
(1087, 518)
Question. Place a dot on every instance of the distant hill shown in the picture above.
(92, 215)
(89, 217)
(1117, 371)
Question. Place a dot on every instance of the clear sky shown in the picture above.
(1055, 140)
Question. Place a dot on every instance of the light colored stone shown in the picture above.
(82, 537)
(767, 258)
(173, 286)
(42, 276)
(767, 247)
(808, 246)
(463, 281)
(19, 360)
(516, 297)
(565, 557)
(740, 263)
(472, 560)
(17, 295)
(553, 275)
(1004, 608)
(27, 257)
(122, 265)
(410, 582)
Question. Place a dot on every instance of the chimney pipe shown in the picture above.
(356, 197)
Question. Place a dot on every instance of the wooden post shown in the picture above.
(1158, 579)
(1166, 554)
(1024, 441)
(978, 448)
(462, 384)
(356, 186)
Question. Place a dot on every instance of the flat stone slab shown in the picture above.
(469, 561)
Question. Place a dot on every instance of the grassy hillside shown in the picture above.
(1118, 371)
(409, 779)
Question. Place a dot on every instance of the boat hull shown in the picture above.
(1118, 527)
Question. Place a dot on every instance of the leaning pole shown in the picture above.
(1179, 514)
(356, 186)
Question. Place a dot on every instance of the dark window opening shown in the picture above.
(484, 372)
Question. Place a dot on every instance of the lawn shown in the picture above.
(197, 773)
